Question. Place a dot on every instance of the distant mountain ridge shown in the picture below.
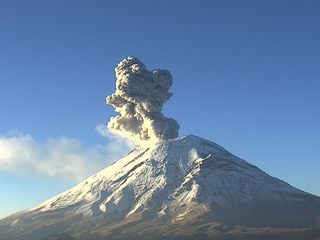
(186, 188)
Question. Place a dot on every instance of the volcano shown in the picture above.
(187, 188)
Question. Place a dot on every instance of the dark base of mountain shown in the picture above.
(214, 231)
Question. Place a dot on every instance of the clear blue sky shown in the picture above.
(246, 75)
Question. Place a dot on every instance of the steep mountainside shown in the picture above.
(189, 187)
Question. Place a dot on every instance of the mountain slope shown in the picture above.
(176, 186)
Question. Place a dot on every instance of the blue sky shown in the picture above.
(246, 75)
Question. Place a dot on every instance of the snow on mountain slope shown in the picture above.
(149, 179)
(188, 179)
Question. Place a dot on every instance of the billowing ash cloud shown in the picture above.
(139, 97)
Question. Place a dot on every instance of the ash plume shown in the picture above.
(139, 97)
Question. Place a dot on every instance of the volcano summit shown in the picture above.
(181, 189)
(168, 187)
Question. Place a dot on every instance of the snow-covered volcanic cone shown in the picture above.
(174, 190)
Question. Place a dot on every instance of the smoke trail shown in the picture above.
(139, 97)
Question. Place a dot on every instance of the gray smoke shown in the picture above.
(139, 97)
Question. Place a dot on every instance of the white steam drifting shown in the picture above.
(139, 97)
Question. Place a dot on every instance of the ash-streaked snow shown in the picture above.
(187, 180)
(161, 179)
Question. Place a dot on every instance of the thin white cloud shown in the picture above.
(63, 157)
